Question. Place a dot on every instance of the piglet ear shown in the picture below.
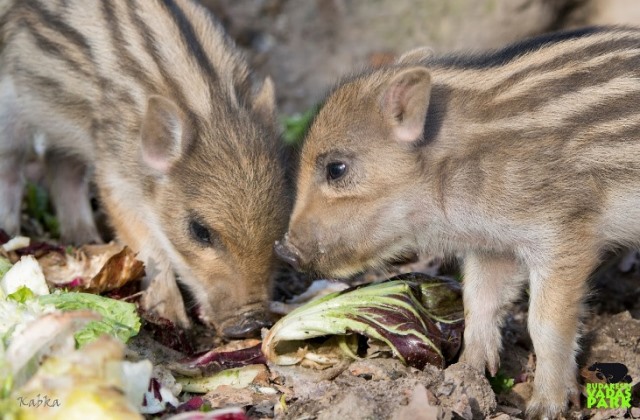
(404, 103)
(264, 103)
(415, 56)
(165, 134)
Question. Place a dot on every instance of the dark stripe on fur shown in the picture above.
(52, 48)
(57, 24)
(504, 56)
(55, 93)
(150, 46)
(127, 61)
(541, 94)
(190, 37)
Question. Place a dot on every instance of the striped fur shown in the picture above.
(155, 99)
(526, 160)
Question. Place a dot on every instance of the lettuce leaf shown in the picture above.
(5, 266)
(119, 319)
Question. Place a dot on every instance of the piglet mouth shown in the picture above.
(340, 262)
(317, 262)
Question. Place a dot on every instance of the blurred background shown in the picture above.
(306, 45)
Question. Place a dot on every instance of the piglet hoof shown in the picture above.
(545, 406)
(168, 307)
(480, 359)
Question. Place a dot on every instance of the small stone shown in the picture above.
(446, 389)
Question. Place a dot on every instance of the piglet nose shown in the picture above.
(247, 325)
(288, 253)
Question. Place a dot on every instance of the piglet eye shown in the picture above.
(336, 170)
(201, 233)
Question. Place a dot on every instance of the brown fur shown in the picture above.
(152, 97)
(526, 162)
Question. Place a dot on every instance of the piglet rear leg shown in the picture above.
(69, 188)
(11, 188)
(14, 142)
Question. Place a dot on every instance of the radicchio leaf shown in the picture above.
(420, 317)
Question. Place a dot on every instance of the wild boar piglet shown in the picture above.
(525, 160)
(155, 101)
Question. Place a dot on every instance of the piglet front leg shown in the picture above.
(162, 297)
(557, 293)
(492, 282)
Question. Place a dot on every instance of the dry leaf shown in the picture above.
(93, 268)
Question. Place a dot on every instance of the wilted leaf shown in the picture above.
(419, 317)
(39, 336)
(157, 398)
(38, 249)
(5, 265)
(167, 333)
(236, 378)
(93, 268)
(216, 361)
(16, 243)
(317, 289)
(228, 413)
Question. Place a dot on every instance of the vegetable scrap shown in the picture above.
(62, 339)
(419, 317)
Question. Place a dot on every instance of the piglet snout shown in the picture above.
(247, 325)
(288, 253)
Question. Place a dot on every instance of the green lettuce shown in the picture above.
(5, 266)
(119, 319)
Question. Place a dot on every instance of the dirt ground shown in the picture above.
(305, 46)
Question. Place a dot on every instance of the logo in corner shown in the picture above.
(613, 386)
